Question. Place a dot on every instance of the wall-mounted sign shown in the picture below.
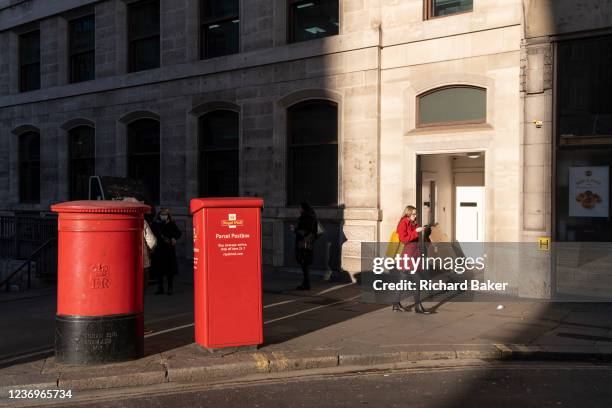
(588, 191)
(544, 243)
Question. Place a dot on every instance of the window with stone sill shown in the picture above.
(82, 160)
(143, 35)
(452, 105)
(144, 156)
(441, 8)
(29, 61)
(311, 19)
(312, 162)
(218, 145)
(82, 45)
(29, 167)
(219, 28)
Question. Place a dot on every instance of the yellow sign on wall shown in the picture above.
(544, 243)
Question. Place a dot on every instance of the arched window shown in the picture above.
(82, 160)
(452, 105)
(143, 155)
(29, 167)
(312, 130)
(218, 144)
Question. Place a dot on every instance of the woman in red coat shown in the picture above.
(408, 230)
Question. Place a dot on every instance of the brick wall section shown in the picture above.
(108, 38)
(257, 24)
(4, 63)
(173, 30)
(4, 163)
(49, 53)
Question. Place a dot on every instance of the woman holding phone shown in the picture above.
(408, 230)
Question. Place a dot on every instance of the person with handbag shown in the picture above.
(408, 231)
(306, 233)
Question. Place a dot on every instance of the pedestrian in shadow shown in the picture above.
(305, 235)
(164, 257)
(408, 230)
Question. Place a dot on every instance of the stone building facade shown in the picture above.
(387, 56)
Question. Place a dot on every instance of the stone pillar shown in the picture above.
(358, 147)
(5, 60)
(176, 26)
(13, 62)
(53, 48)
(257, 24)
(537, 98)
(111, 38)
(172, 152)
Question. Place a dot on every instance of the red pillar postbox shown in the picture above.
(227, 268)
(100, 281)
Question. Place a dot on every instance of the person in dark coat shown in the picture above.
(305, 235)
(164, 257)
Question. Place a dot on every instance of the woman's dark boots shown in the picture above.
(398, 307)
(419, 308)
(306, 280)
(170, 285)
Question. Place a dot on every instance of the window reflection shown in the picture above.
(310, 19)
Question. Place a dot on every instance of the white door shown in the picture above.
(469, 219)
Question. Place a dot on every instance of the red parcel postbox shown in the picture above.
(100, 281)
(227, 272)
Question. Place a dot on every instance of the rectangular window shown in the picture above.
(82, 161)
(29, 61)
(29, 167)
(441, 8)
(144, 157)
(219, 28)
(219, 154)
(310, 19)
(584, 87)
(312, 130)
(82, 46)
(143, 35)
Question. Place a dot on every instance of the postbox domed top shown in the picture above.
(101, 206)
(224, 202)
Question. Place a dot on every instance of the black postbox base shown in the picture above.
(99, 339)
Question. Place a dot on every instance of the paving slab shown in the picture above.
(27, 376)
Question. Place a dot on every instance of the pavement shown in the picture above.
(328, 326)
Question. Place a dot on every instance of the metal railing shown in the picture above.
(45, 259)
(22, 233)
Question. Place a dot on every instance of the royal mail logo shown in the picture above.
(232, 221)
(100, 276)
